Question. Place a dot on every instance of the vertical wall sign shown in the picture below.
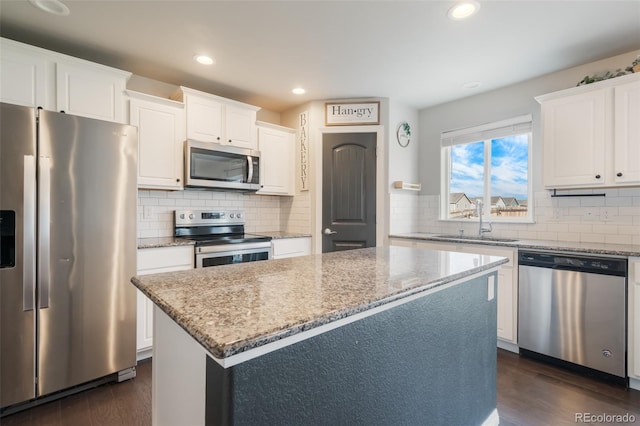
(303, 137)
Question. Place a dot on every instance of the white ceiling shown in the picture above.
(405, 50)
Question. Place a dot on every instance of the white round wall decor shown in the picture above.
(403, 134)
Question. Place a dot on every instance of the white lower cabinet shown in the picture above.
(153, 261)
(290, 247)
(633, 326)
(507, 299)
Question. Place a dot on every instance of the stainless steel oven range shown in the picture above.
(220, 238)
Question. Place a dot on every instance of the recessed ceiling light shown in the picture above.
(204, 59)
(299, 91)
(471, 85)
(55, 7)
(463, 10)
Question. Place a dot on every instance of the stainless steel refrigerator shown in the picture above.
(68, 250)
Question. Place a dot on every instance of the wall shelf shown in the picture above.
(407, 186)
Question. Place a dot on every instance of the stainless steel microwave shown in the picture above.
(224, 167)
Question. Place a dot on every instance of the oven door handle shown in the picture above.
(249, 168)
(233, 248)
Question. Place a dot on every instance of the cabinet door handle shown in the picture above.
(619, 174)
(178, 180)
(597, 176)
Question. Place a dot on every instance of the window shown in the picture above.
(488, 165)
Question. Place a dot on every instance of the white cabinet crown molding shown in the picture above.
(179, 96)
(56, 56)
(588, 87)
(152, 98)
(267, 125)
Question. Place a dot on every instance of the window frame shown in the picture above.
(522, 122)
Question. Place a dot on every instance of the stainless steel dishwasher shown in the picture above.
(573, 308)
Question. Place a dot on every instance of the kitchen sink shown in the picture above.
(474, 238)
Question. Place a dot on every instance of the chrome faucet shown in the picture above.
(479, 212)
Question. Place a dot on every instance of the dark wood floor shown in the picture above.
(529, 393)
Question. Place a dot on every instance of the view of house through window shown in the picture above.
(491, 166)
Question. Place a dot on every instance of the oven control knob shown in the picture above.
(182, 216)
(231, 215)
(239, 215)
(192, 216)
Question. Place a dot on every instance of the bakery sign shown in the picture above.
(352, 114)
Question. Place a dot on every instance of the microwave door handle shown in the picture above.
(249, 169)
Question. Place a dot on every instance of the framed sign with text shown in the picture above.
(352, 114)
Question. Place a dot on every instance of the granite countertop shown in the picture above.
(163, 242)
(172, 241)
(234, 308)
(276, 235)
(567, 246)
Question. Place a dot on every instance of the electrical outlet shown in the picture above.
(490, 288)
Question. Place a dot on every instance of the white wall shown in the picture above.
(403, 205)
(614, 218)
(312, 199)
(498, 105)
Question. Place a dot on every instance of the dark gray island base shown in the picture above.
(424, 354)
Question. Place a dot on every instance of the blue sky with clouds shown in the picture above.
(509, 167)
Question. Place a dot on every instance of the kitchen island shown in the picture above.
(387, 335)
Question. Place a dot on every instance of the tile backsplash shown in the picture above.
(155, 209)
(613, 219)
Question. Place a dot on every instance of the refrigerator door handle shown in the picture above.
(29, 234)
(44, 227)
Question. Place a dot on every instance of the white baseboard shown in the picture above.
(511, 347)
(144, 354)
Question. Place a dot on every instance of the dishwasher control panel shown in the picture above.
(596, 265)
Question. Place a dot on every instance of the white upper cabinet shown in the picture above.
(37, 77)
(161, 136)
(91, 90)
(573, 135)
(591, 135)
(204, 119)
(26, 75)
(277, 159)
(212, 118)
(627, 133)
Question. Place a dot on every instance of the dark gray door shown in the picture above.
(348, 191)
